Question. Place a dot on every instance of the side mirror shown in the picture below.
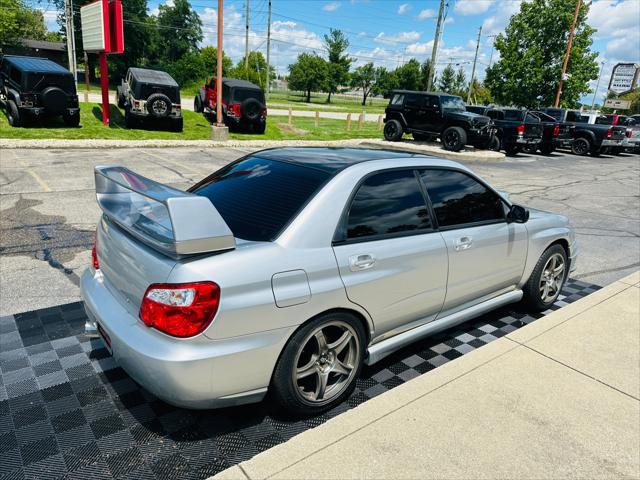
(518, 214)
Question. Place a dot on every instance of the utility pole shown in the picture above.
(593, 102)
(493, 44)
(434, 51)
(473, 70)
(568, 54)
(268, 82)
(71, 40)
(246, 40)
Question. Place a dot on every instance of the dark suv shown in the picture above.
(243, 104)
(429, 115)
(37, 87)
(150, 97)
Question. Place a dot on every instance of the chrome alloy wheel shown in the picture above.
(159, 107)
(326, 362)
(552, 278)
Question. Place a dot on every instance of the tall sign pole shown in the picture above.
(568, 54)
(246, 40)
(473, 70)
(434, 51)
(268, 82)
(68, 16)
(593, 102)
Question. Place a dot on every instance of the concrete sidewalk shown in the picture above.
(559, 398)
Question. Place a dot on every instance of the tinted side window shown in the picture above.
(398, 99)
(495, 114)
(412, 100)
(15, 75)
(459, 199)
(573, 116)
(388, 202)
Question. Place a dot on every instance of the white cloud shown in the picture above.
(449, 20)
(280, 23)
(331, 7)
(400, 37)
(617, 22)
(50, 19)
(404, 8)
(472, 7)
(426, 13)
(420, 48)
(503, 12)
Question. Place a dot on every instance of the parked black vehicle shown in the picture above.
(554, 133)
(429, 115)
(150, 98)
(243, 104)
(515, 128)
(587, 137)
(33, 87)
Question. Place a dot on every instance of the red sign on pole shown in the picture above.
(103, 33)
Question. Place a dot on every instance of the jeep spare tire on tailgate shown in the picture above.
(243, 104)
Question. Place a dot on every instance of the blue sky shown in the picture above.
(389, 32)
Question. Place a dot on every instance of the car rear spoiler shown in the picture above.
(173, 222)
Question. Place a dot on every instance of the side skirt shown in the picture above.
(386, 347)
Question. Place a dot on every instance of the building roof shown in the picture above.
(153, 76)
(43, 45)
(331, 159)
(35, 64)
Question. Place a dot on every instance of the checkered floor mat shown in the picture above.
(67, 410)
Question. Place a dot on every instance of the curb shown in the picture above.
(434, 149)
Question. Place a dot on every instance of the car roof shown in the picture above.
(333, 160)
(425, 93)
(35, 64)
(153, 76)
(237, 82)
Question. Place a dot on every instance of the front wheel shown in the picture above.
(393, 131)
(580, 146)
(454, 139)
(547, 279)
(13, 114)
(319, 365)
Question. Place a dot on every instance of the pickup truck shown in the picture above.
(516, 129)
(632, 141)
(554, 133)
(588, 138)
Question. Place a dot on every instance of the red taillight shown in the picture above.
(94, 253)
(628, 132)
(520, 129)
(235, 109)
(609, 133)
(263, 113)
(180, 309)
(556, 130)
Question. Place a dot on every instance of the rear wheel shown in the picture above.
(259, 128)
(454, 139)
(511, 149)
(547, 279)
(130, 121)
(393, 131)
(120, 97)
(176, 124)
(320, 364)
(71, 119)
(13, 114)
(197, 104)
(547, 149)
(530, 149)
(580, 146)
(616, 150)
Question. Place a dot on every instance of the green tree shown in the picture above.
(195, 68)
(424, 74)
(19, 21)
(308, 74)
(364, 78)
(180, 30)
(336, 44)
(138, 32)
(460, 85)
(532, 51)
(447, 80)
(209, 56)
(480, 94)
(257, 69)
(408, 75)
(386, 81)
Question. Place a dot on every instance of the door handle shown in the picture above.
(463, 243)
(361, 262)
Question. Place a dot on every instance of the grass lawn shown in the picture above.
(195, 128)
(339, 103)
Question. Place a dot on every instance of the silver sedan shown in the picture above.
(287, 270)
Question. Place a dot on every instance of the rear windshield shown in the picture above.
(146, 89)
(39, 81)
(258, 198)
(513, 115)
(241, 94)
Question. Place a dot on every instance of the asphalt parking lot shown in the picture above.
(48, 210)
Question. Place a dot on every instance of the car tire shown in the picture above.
(177, 124)
(259, 128)
(71, 119)
(494, 144)
(616, 150)
(511, 149)
(120, 100)
(580, 146)
(421, 137)
(547, 149)
(453, 139)
(129, 120)
(13, 114)
(198, 107)
(392, 131)
(313, 357)
(158, 105)
(251, 109)
(530, 149)
(539, 294)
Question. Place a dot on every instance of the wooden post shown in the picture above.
(360, 122)
(348, 122)
(290, 115)
(317, 118)
(379, 122)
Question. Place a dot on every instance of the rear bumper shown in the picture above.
(528, 141)
(191, 373)
(611, 143)
(40, 111)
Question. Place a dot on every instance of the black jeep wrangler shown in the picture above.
(429, 115)
(243, 104)
(33, 87)
(150, 97)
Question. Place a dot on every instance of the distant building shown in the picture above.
(624, 77)
(54, 51)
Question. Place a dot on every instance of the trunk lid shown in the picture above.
(532, 130)
(618, 132)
